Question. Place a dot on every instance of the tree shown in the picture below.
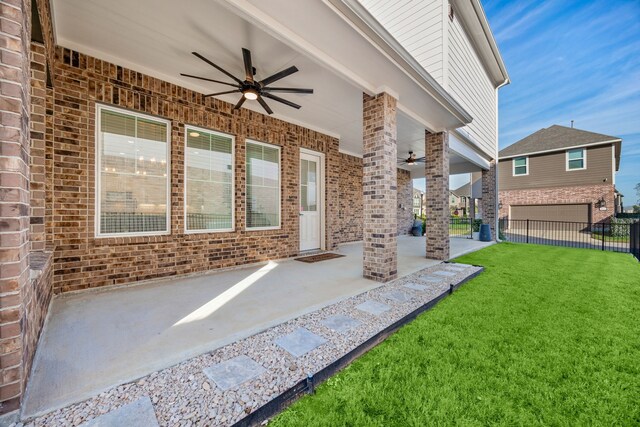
(638, 192)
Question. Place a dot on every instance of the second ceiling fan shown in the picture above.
(251, 88)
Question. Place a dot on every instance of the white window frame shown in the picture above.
(526, 165)
(584, 159)
(188, 128)
(98, 162)
(246, 192)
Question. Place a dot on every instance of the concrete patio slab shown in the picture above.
(300, 342)
(233, 372)
(340, 323)
(373, 307)
(415, 287)
(397, 296)
(94, 340)
(138, 413)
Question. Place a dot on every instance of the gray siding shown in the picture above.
(549, 170)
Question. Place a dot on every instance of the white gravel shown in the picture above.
(182, 395)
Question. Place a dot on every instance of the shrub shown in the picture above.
(620, 226)
(476, 225)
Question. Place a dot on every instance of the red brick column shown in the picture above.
(489, 198)
(437, 195)
(14, 195)
(379, 187)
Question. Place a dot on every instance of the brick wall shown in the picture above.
(589, 194)
(488, 205)
(83, 261)
(437, 195)
(405, 202)
(37, 146)
(15, 33)
(379, 182)
(350, 214)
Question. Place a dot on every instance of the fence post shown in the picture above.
(603, 236)
(527, 230)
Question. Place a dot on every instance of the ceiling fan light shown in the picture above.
(194, 134)
(250, 94)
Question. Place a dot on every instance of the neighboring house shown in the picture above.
(560, 174)
(460, 200)
(418, 202)
(118, 167)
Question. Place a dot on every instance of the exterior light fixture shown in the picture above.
(250, 94)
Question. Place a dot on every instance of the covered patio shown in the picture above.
(95, 340)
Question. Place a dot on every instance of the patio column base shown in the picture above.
(379, 185)
(437, 195)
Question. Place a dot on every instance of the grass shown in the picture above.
(545, 336)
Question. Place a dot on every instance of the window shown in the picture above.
(263, 186)
(521, 166)
(209, 181)
(576, 159)
(133, 173)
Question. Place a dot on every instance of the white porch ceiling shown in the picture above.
(157, 38)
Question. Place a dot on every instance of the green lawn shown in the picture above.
(545, 336)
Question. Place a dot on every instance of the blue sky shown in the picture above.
(571, 60)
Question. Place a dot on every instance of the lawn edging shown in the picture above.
(307, 386)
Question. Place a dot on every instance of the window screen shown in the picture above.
(133, 176)
(263, 185)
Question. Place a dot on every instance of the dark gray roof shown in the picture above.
(465, 190)
(555, 137)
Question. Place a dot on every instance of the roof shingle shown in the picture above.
(555, 137)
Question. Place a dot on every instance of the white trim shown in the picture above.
(526, 166)
(557, 150)
(98, 160)
(613, 164)
(584, 160)
(265, 144)
(321, 189)
(188, 127)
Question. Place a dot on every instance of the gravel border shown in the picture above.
(182, 395)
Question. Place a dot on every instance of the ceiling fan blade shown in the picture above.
(217, 67)
(209, 80)
(279, 75)
(419, 159)
(240, 102)
(287, 90)
(248, 68)
(284, 101)
(264, 105)
(222, 93)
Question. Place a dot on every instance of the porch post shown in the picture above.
(489, 201)
(14, 202)
(437, 195)
(379, 186)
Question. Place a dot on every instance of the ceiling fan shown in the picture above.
(251, 88)
(411, 160)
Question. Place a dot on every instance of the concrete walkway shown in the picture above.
(97, 339)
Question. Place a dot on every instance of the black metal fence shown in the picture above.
(460, 227)
(618, 237)
(634, 240)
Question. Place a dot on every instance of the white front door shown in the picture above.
(310, 201)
